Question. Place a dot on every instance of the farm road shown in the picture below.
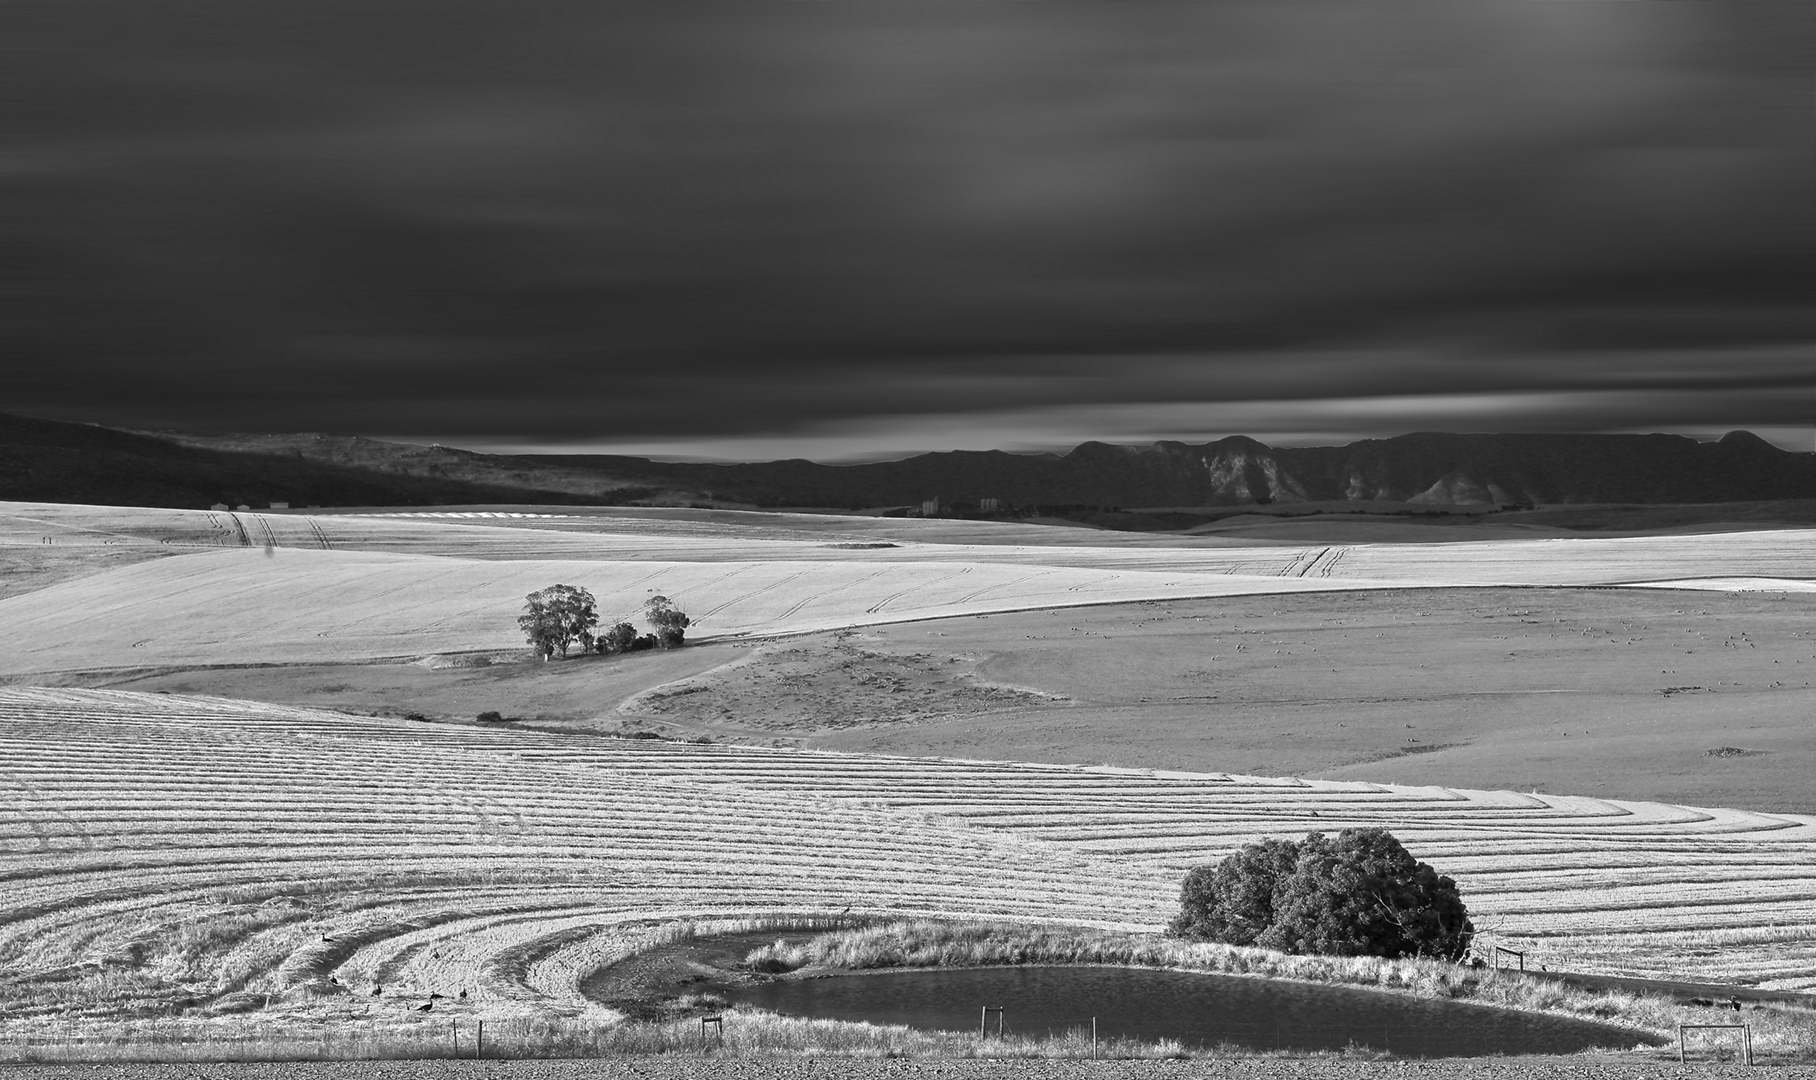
(803, 1068)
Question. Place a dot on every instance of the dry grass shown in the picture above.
(745, 1034)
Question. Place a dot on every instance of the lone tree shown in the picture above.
(1359, 894)
(669, 621)
(557, 617)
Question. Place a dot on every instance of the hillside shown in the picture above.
(53, 461)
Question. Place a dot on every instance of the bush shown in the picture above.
(617, 639)
(1360, 894)
(490, 717)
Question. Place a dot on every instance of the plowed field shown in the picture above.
(163, 852)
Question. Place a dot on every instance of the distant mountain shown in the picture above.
(53, 461)
(60, 462)
(1428, 468)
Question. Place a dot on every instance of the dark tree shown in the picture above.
(557, 617)
(1359, 894)
(618, 639)
(1233, 900)
(669, 621)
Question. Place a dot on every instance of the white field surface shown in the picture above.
(161, 849)
(224, 588)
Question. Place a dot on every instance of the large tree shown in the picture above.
(557, 617)
(1358, 894)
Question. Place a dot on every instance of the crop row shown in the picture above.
(429, 856)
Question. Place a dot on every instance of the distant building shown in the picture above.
(218, 506)
(242, 508)
(280, 506)
(989, 506)
(931, 508)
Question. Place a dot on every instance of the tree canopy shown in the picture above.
(669, 621)
(1358, 894)
(620, 638)
(557, 617)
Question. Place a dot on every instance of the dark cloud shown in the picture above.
(685, 224)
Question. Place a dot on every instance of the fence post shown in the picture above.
(1093, 1038)
(1746, 1039)
(983, 1021)
(479, 1046)
(454, 1033)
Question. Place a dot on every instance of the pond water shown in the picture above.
(1198, 1010)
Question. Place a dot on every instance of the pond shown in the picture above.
(1198, 1010)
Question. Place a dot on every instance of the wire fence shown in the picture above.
(1005, 1030)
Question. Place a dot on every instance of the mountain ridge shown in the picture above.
(57, 461)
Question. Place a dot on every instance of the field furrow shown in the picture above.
(190, 848)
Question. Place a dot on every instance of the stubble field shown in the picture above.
(168, 854)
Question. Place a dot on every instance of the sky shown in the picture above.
(853, 231)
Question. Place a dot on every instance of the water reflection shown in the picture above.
(1198, 1010)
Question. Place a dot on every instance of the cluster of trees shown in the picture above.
(1358, 894)
(557, 618)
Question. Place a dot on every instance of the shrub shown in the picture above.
(617, 639)
(490, 717)
(1359, 894)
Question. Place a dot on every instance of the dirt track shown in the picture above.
(689, 1068)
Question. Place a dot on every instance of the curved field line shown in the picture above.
(968, 597)
(892, 597)
(756, 593)
(824, 593)
(239, 527)
(1083, 585)
(432, 855)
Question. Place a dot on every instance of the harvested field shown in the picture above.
(239, 607)
(262, 588)
(165, 854)
(1618, 693)
(182, 855)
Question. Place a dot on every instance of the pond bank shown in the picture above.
(1198, 1012)
(1782, 1033)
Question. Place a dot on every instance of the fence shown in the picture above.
(1003, 1029)
(1746, 1039)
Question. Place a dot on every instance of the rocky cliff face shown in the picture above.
(1453, 470)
